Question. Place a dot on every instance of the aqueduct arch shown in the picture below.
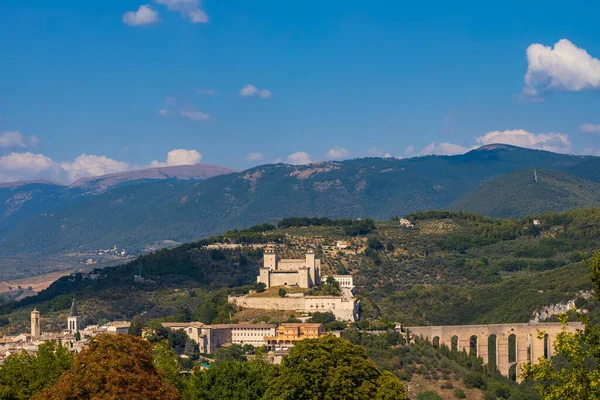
(514, 343)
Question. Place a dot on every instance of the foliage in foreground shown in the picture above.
(112, 367)
(574, 372)
(22, 374)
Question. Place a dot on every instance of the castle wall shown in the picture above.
(343, 310)
(284, 278)
(290, 265)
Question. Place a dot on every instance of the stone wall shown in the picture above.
(344, 310)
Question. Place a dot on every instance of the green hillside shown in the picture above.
(146, 213)
(520, 194)
(452, 268)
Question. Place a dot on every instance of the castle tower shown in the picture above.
(270, 259)
(73, 321)
(310, 265)
(35, 324)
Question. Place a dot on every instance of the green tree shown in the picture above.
(23, 375)
(573, 373)
(389, 387)
(232, 380)
(282, 292)
(260, 287)
(330, 368)
(166, 361)
(137, 326)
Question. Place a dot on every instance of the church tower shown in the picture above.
(35, 324)
(73, 322)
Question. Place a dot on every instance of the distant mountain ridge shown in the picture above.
(182, 172)
(144, 212)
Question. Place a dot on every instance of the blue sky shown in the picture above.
(94, 87)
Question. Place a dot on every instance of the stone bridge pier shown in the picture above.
(504, 345)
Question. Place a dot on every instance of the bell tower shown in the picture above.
(35, 324)
(73, 321)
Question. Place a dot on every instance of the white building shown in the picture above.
(345, 281)
(253, 334)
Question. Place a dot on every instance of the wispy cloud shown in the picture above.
(443, 149)
(189, 9)
(337, 153)
(254, 157)
(17, 139)
(143, 16)
(251, 90)
(194, 115)
(590, 128)
(555, 142)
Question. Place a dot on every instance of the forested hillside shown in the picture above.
(529, 192)
(451, 268)
(134, 215)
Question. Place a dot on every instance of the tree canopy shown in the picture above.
(112, 367)
(573, 372)
(331, 368)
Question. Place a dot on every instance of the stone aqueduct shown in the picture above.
(506, 345)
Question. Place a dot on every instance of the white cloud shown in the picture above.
(299, 158)
(387, 155)
(91, 165)
(443, 149)
(179, 157)
(590, 128)
(277, 161)
(27, 166)
(16, 139)
(30, 166)
(337, 153)
(564, 67)
(163, 111)
(555, 142)
(254, 157)
(251, 90)
(188, 8)
(248, 90)
(194, 115)
(409, 150)
(170, 101)
(264, 94)
(143, 16)
(12, 139)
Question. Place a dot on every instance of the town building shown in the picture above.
(208, 337)
(288, 334)
(74, 338)
(345, 281)
(253, 334)
(406, 223)
(303, 272)
(73, 321)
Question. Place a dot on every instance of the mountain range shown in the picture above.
(145, 208)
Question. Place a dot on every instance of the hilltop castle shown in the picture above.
(301, 272)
